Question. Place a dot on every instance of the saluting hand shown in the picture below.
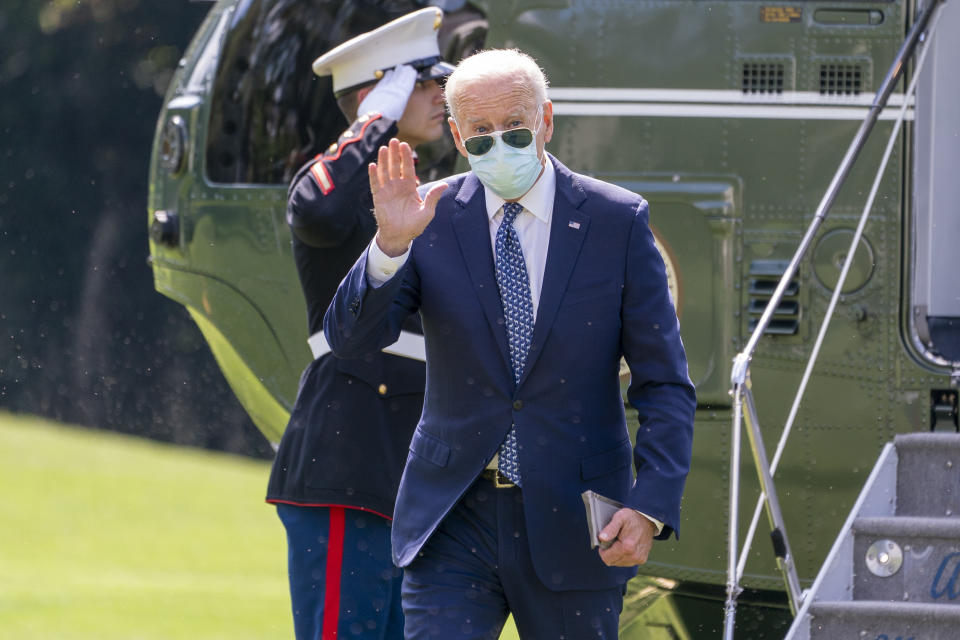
(632, 536)
(401, 214)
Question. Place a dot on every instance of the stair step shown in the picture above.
(879, 619)
(909, 526)
(928, 440)
(928, 474)
(921, 561)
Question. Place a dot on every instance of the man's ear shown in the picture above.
(457, 138)
(547, 121)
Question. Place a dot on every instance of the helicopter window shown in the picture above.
(269, 114)
(204, 67)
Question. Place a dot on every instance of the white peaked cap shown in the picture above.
(410, 39)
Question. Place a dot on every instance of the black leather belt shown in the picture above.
(499, 480)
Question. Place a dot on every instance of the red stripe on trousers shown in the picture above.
(331, 594)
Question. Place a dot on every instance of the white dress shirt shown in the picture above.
(533, 228)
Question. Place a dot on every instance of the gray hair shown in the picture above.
(495, 63)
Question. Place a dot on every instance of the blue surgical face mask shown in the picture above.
(507, 171)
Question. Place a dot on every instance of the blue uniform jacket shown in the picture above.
(350, 428)
(604, 295)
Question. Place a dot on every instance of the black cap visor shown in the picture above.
(436, 71)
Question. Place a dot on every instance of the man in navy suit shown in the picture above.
(531, 282)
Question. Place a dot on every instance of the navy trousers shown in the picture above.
(476, 568)
(343, 584)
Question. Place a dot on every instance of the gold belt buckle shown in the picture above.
(503, 483)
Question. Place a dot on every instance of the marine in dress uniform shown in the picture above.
(338, 465)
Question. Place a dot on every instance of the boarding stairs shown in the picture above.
(894, 571)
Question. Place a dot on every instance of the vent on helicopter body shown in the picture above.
(764, 277)
(762, 77)
(841, 79)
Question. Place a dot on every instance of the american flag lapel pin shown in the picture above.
(573, 225)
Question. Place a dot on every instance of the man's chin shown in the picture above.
(437, 134)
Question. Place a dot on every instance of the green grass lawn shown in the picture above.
(106, 536)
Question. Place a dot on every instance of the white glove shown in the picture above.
(391, 93)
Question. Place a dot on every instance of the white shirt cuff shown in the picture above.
(380, 266)
(656, 522)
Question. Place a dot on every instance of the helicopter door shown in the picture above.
(935, 304)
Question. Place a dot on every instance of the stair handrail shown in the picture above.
(740, 372)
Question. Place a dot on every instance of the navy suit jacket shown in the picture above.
(604, 295)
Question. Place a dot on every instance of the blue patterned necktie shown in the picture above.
(518, 309)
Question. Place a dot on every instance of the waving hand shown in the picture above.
(401, 214)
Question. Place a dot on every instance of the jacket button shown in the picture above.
(518, 404)
(382, 389)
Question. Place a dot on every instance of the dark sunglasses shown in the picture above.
(517, 138)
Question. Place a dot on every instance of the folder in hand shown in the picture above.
(600, 511)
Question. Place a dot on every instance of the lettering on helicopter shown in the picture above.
(781, 14)
(945, 580)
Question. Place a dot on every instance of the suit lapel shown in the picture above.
(472, 228)
(568, 228)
